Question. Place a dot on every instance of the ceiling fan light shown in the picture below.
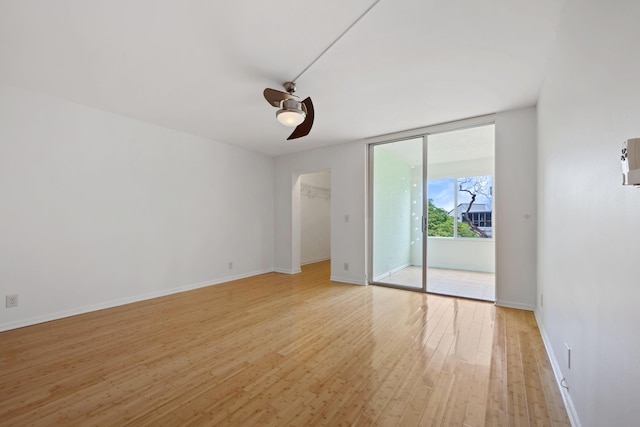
(290, 117)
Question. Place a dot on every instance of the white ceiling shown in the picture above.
(461, 145)
(200, 66)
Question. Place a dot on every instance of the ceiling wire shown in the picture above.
(336, 40)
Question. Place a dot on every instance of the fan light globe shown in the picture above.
(290, 118)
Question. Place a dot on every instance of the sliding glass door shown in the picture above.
(431, 213)
(396, 192)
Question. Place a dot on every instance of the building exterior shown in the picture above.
(480, 215)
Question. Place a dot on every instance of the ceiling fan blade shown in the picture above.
(304, 128)
(275, 97)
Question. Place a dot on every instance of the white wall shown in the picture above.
(588, 235)
(347, 164)
(473, 254)
(315, 217)
(392, 205)
(98, 210)
(515, 208)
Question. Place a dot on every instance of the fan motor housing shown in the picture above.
(292, 105)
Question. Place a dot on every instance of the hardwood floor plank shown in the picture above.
(282, 350)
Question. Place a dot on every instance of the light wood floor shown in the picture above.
(283, 350)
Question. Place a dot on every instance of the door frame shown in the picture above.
(296, 221)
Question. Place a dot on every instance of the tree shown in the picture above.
(441, 223)
(474, 186)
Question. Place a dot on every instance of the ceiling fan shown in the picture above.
(292, 112)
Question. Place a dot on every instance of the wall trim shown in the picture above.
(557, 373)
(123, 301)
(315, 260)
(389, 273)
(515, 304)
(346, 280)
(464, 268)
(287, 270)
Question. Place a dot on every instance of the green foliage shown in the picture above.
(465, 231)
(441, 223)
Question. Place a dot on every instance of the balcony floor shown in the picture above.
(461, 283)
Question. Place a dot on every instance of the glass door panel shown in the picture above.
(396, 213)
(460, 245)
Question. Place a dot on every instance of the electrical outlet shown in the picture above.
(12, 300)
(230, 265)
(346, 266)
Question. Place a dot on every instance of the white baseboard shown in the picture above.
(315, 260)
(122, 301)
(389, 273)
(568, 402)
(346, 280)
(287, 270)
(515, 304)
